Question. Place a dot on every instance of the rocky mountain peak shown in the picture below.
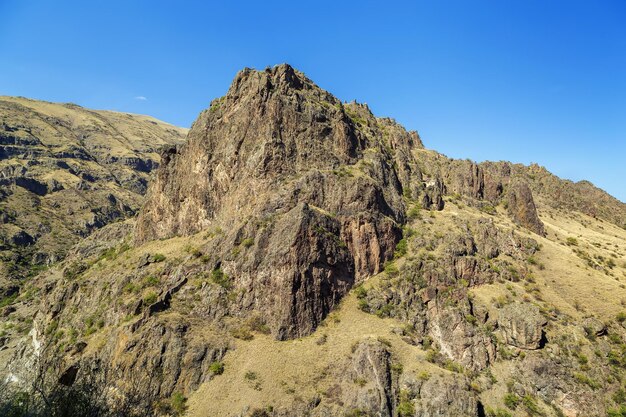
(276, 143)
(272, 126)
(282, 200)
(280, 77)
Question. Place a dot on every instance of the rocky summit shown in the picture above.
(299, 256)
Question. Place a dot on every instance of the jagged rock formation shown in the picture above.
(281, 202)
(278, 151)
(443, 397)
(521, 208)
(371, 362)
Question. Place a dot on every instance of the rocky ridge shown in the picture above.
(292, 222)
(66, 171)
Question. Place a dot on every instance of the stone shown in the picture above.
(521, 325)
(444, 397)
(521, 207)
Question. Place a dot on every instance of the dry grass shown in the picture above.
(298, 368)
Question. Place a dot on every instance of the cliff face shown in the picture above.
(299, 256)
(307, 183)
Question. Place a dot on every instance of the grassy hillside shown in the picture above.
(66, 171)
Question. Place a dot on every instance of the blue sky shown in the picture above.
(526, 81)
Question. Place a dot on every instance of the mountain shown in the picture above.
(66, 171)
(299, 256)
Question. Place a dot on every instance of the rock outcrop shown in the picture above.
(521, 207)
(371, 368)
(521, 325)
(309, 182)
(441, 397)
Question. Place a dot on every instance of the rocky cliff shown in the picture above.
(300, 256)
(306, 184)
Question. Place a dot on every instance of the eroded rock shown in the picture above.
(521, 325)
(521, 207)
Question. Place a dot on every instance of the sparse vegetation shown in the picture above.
(405, 406)
(220, 278)
(158, 257)
(216, 368)
(150, 298)
(511, 400)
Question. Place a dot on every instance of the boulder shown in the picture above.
(445, 397)
(521, 207)
(521, 325)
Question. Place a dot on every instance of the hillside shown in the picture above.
(299, 256)
(66, 171)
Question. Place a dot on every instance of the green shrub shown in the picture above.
(584, 379)
(405, 406)
(571, 241)
(220, 278)
(391, 269)
(361, 382)
(109, 254)
(356, 412)
(414, 212)
(511, 401)
(401, 248)
(397, 368)
(531, 406)
(617, 412)
(5, 301)
(620, 396)
(247, 242)
(150, 298)
(385, 310)
(217, 368)
(178, 403)
(130, 287)
(431, 355)
(158, 257)
(423, 376)
(360, 292)
(150, 281)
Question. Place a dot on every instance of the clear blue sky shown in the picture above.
(526, 80)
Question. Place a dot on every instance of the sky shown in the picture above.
(519, 80)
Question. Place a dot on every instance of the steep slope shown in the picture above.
(281, 168)
(299, 256)
(64, 172)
